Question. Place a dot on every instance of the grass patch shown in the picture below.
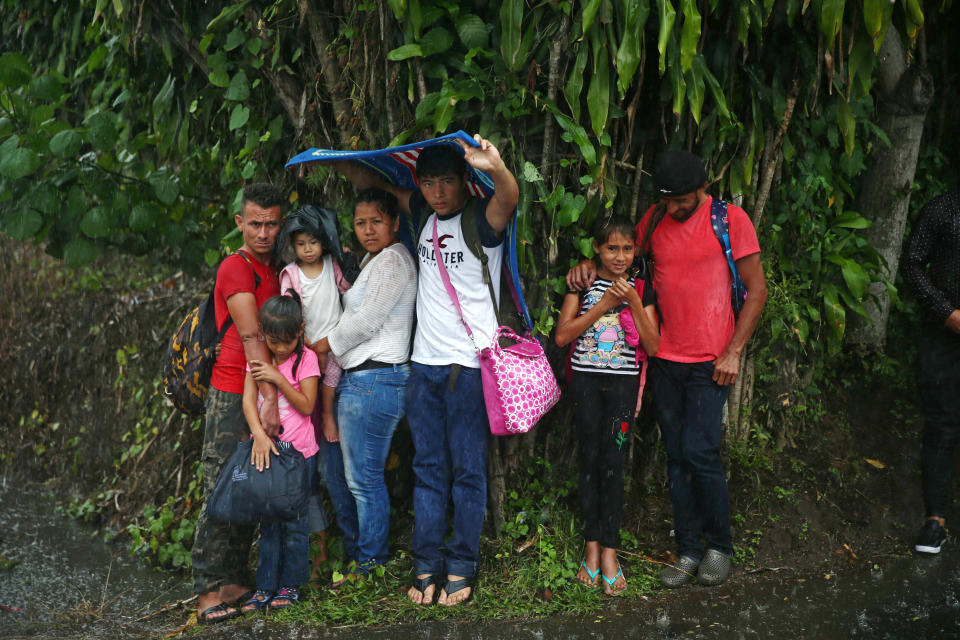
(528, 571)
(510, 585)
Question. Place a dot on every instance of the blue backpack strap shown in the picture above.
(409, 234)
(513, 268)
(721, 229)
(509, 264)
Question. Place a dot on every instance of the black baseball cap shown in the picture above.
(677, 173)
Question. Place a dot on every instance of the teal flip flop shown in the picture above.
(590, 574)
(612, 581)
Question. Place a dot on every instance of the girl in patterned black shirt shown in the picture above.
(610, 321)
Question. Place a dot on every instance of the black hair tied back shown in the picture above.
(281, 317)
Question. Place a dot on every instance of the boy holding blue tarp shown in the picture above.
(445, 406)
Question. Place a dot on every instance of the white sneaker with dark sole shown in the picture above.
(931, 539)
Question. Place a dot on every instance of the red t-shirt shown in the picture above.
(692, 281)
(235, 275)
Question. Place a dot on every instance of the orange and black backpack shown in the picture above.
(191, 354)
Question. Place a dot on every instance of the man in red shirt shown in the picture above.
(699, 356)
(245, 280)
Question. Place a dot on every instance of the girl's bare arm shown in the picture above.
(645, 319)
(302, 400)
(570, 326)
(262, 444)
(330, 431)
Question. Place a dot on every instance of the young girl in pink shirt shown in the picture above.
(284, 545)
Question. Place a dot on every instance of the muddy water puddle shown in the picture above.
(58, 579)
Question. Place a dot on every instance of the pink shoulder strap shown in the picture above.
(342, 284)
(446, 280)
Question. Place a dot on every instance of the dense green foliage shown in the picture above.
(111, 139)
(133, 124)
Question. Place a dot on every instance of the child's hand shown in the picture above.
(610, 298)
(315, 347)
(260, 454)
(321, 355)
(623, 289)
(265, 372)
(330, 431)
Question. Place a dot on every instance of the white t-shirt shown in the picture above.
(321, 301)
(441, 338)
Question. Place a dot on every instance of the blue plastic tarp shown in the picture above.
(397, 165)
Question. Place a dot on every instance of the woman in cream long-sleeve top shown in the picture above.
(372, 344)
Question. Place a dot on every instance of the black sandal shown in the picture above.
(421, 584)
(242, 600)
(203, 616)
(454, 586)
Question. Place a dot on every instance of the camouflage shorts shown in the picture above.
(224, 429)
(221, 550)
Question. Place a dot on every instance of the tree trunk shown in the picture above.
(496, 483)
(503, 461)
(738, 411)
(905, 93)
(740, 402)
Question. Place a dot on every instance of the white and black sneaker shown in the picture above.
(932, 537)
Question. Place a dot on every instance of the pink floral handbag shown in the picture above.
(518, 383)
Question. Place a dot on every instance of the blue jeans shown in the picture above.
(344, 508)
(369, 407)
(285, 550)
(449, 430)
(689, 406)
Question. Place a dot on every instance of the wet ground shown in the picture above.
(907, 599)
(58, 579)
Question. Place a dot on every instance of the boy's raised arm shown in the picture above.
(506, 195)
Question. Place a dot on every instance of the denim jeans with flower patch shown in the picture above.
(603, 407)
